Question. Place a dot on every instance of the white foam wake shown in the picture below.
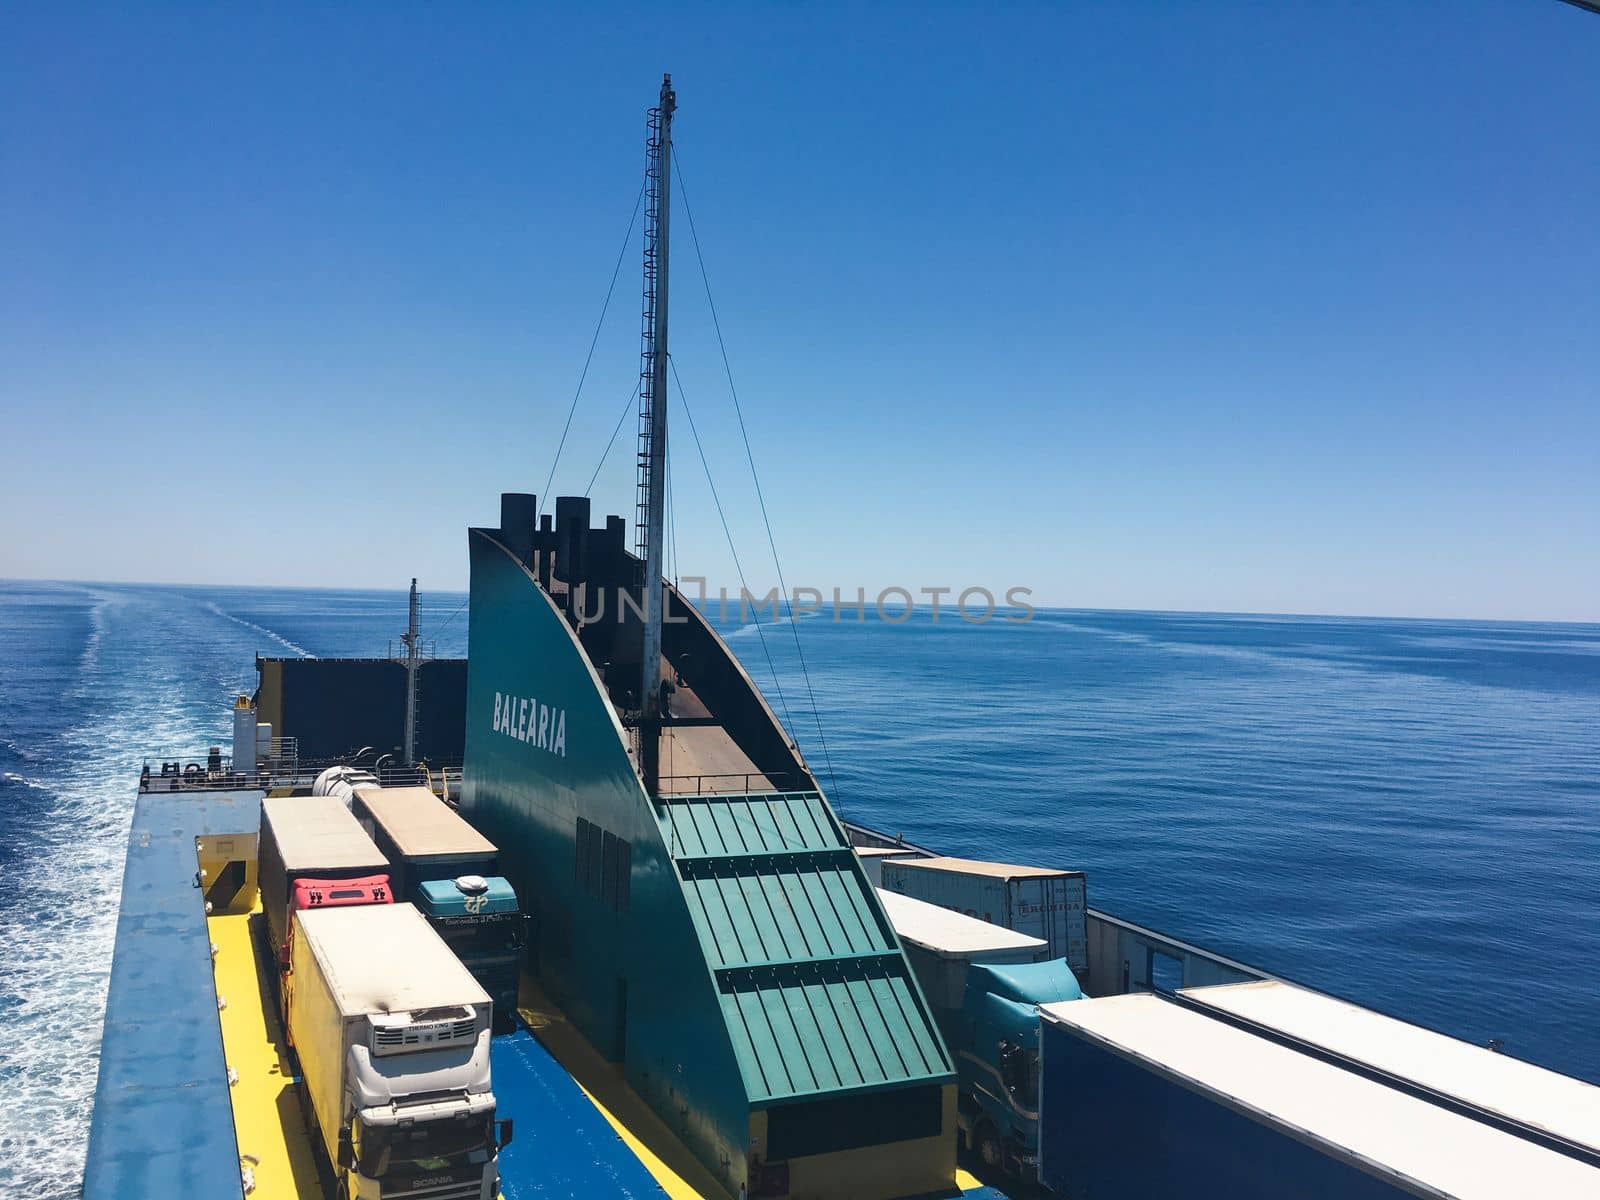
(273, 634)
(133, 694)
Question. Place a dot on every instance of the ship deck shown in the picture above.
(581, 1130)
(168, 1120)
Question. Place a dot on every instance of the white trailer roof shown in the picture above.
(385, 958)
(1559, 1104)
(946, 931)
(317, 833)
(974, 866)
(421, 824)
(1387, 1132)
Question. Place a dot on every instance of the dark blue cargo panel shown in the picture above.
(1141, 1097)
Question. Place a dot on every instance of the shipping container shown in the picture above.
(872, 859)
(447, 869)
(423, 837)
(1144, 1097)
(1039, 901)
(941, 943)
(308, 836)
(1507, 1089)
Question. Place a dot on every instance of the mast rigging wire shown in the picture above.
(616, 429)
(794, 625)
(598, 325)
(737, 566)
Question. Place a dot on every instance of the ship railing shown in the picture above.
(1125, 957)
(216, 773)
(728, 783)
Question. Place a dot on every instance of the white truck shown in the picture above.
(392, 1034)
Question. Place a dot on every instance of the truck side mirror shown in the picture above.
(503, 1131)
(347, 1151)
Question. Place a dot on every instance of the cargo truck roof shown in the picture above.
(1509, 1087)
(422, 825)
(946, 931)
(386, 958)
(974, 866)
(1381, 1129)
(317, 833)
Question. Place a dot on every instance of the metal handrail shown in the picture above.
(771, 778)
(199, 775)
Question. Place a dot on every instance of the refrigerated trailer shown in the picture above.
(1142, 1097)
(1042, 902)
(392, 1035)
(1543, 1103)
(423, 837)
(306, 837)
(450, 871)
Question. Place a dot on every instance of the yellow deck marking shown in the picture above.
(270, 1123)
(678, 1172)
(268, 1120)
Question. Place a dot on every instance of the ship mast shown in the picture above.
(413, 644)
(653, 425)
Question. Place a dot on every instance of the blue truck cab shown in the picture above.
(984, 984)
(480, 919)
(995, 1043)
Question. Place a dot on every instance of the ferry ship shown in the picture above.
(717, 987)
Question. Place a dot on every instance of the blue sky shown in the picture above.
(1268, 307)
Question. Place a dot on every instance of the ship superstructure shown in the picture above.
(702, 917)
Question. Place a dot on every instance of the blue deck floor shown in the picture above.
(563, 1145)
(163, 1123)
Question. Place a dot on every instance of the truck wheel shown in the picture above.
(987, 1138)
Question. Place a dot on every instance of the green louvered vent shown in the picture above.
(815, 992)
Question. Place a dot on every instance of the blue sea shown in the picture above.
(1403, 812)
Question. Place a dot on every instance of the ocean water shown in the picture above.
(1403, 812)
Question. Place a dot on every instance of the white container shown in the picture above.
(311, 837)
(423, 837)
(941, 943)
(872, 860)
(1039, 901)
(1558, 1104)
(1140, 1096)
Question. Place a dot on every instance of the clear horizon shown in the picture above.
(460, 596)
(1282, 312)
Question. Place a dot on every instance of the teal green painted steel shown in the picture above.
(834, 1027)
(780, 910)
(752, 965)
(639, 973)
(816, 994)
(699, 826)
